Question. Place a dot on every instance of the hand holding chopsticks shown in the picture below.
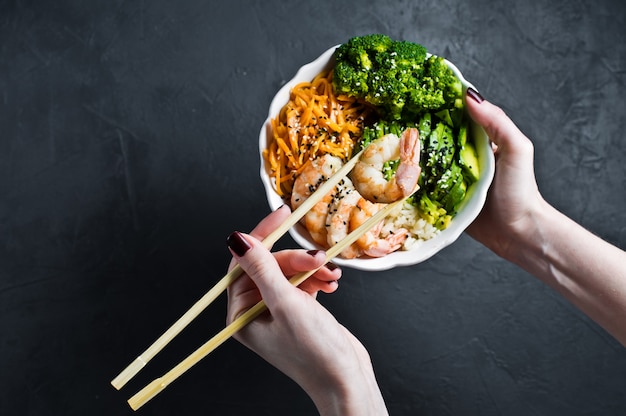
(134, 367)
(157, 385)
(160, 383)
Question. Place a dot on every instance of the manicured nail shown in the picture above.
(331, 266)
(475, 95)
(238, 244)
(313, 252)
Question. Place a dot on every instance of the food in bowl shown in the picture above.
(368, 90)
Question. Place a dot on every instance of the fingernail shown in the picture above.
(331, 266)
(475, 95)
(313, 252)
(238, 244)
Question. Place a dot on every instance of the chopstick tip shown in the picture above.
(144, 395)
(128, 373)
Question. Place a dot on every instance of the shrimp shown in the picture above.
(338, 220)
(371, 243)
(314, 173)
(315, 220)
(312, 176)
(368, 177)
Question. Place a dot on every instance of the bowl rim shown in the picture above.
(467, 212)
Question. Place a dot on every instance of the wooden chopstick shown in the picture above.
(134, 367)
(159, 384)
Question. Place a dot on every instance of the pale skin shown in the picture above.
(303, 340)
(520, 226)
(299, 336)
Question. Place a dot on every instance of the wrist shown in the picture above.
(526, 241)
(538, 247)
(349, 392)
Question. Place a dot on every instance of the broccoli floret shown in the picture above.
(438, 88)
(358, 50)
(394, 76)
(409, 57)
(353, 83)
(354, 62)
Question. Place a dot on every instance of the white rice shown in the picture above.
(407, 217)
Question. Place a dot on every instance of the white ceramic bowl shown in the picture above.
(471, 207)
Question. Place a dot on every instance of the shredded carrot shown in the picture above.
(314, 122)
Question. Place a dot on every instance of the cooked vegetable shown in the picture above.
(395, 76)
(314, 122)
(379, 86)
(411, 89)
(449, 164)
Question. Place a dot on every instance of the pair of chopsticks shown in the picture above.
(133, 368)
(157, 385)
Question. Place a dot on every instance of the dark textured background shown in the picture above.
(128, 134)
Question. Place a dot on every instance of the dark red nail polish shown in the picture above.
(313, 252)
(238, 244)
(331, 266)
(475, 95)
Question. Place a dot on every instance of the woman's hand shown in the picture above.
(298, 335)
(514, 194)
(519, 225)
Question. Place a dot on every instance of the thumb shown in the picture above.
(260, 265)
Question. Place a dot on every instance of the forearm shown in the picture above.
(585, 269)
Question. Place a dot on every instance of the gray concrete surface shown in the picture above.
(128, 134)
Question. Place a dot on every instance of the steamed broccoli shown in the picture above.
(395, 76)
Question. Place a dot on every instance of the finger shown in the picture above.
(271, 222)
(313, 285)
(296, 261)
(260, 265)
(512, 148)
(498, 126)
(267, 225)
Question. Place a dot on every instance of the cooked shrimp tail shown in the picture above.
(372, 243)
(382, 246)
(409, 170)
